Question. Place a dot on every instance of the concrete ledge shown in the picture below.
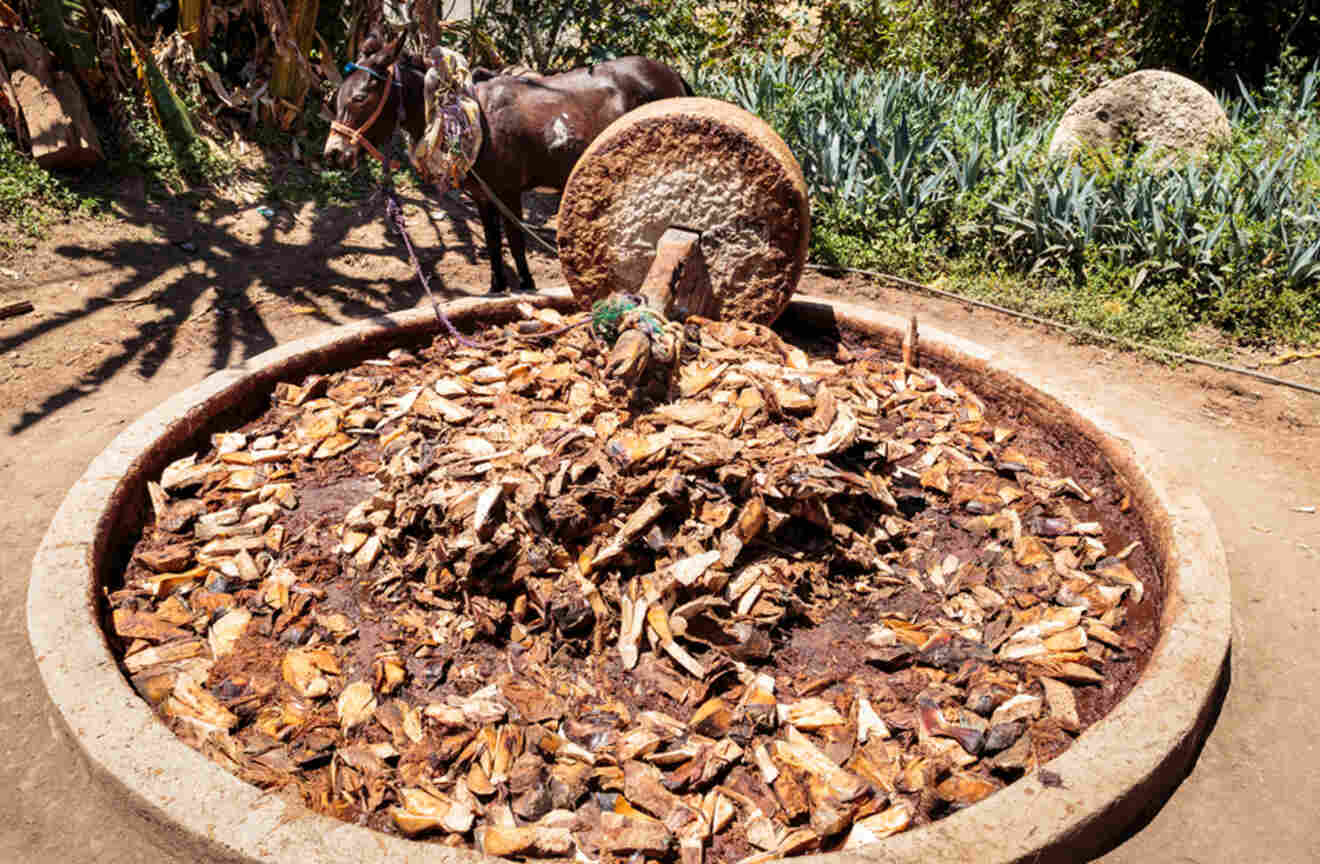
(1112, 773)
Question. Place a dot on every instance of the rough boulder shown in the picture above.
(1149, 108)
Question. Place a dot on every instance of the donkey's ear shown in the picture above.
(392, 50)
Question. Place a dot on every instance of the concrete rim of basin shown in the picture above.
(1112, 775)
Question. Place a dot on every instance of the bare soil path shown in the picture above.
(130, 311)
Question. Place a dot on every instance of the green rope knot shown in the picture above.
(607, 315)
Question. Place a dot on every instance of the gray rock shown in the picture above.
(1150, 108)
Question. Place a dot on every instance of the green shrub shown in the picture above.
(30, 195)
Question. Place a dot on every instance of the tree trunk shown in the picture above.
(289, 78)
(194, 23)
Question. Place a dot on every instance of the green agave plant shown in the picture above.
(907, 149)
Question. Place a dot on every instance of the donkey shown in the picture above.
(534, 128)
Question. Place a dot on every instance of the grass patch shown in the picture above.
(31, 197)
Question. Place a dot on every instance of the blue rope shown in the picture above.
(349, 67)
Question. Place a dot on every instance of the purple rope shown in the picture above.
(394, 214)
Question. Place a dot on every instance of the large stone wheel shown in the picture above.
(698, 164)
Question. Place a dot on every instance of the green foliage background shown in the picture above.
(922, 126)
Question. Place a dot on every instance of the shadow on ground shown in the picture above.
(197, 269)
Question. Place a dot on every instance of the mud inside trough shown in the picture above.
(824, 654)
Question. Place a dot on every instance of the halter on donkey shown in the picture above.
(393, 212)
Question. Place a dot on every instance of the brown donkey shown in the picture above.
(534, 128)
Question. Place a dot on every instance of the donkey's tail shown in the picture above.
(687, 88)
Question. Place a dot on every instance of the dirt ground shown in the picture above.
(131, 310)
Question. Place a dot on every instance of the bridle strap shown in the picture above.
(355, 136)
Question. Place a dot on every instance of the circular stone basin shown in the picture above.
(1117, 769)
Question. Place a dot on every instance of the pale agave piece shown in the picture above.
(1066, 670)
(421, 811)
(1058, 619)
(637, 743)
(275, 588)
(486, 503)
(449, 387)
(356, 705)
(487, 374)
(252, 528)
(305, 669)
(184, 473)
(1119, 572)
(761, 830)
(368, 553)
(842, 433)
(1067, 640)
(764, 764)
(189, 698)
(963, 789)
(227, 630)
(334, 445)
(228, 442)
(1063, 705)
(878, 826)
(1100, 633)
(246, 567)
(168, 653)
(218, 519)
(696, 377)
(481, 708)
(352, 541)
(1023, 647)
(446, 716)
(626, 834)
(447, 410)
(1023, 706)
(810, 714)
(684, 659)
(462, 809)
(948, 749)
(633, 619)
(718, 811)
(164, 584)
(688, 570)
(797, 750)
(524, 842)
(869, 724)
(243, 479)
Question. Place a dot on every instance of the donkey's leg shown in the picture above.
(490, 224)
(518, 242)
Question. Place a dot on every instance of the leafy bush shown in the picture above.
(554, 34)
(29, 195)
(1049, 48)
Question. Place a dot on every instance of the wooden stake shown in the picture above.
(910, 344)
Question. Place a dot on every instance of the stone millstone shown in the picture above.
(699, 164)
(1153, 108)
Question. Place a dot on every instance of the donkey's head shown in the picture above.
(366, 104)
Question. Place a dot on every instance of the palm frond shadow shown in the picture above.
(304, 274)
